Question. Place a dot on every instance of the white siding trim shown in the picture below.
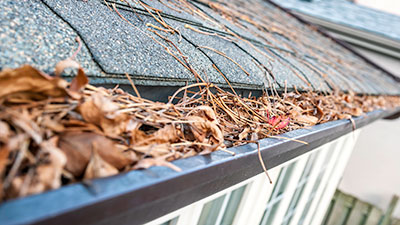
(310, 183)
(255, 197)
(333, 182)
(336, 147)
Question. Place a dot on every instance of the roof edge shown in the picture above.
(355, 36)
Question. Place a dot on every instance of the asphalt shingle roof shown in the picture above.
(255, 43)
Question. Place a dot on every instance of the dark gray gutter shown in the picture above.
(137, 197)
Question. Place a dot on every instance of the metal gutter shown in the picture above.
(137, 197)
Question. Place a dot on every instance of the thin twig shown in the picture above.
(133, 85)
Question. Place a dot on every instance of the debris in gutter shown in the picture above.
(53, 132)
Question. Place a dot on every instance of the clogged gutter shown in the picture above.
(54, 133)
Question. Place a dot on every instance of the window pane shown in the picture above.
(277, 194)
(222, 211)
(269, 215)
(210, 211)
(233, 206)
(329, 155)
(305, 211)
(300, 188)
(312, 195)
(171, 222)
(285, 178)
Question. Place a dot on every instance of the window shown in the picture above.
(233, 206)
(300, 188)
(319, 201)
(277, 194)
(171, 222)
(222, 210)
(317, 184)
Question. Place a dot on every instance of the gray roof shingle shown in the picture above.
(254, 44)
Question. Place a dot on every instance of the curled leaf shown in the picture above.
(154, 150)
(309, 120)
(102, 111)
(205, 131)
(78, 146)
(79, 81)
(28, 83)
(64, 64)
(244, 133)
(4, 152)
(97, 167)
(149, 162)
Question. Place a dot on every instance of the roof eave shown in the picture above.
(357, 37)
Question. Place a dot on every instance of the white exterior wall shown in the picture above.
(390, 6)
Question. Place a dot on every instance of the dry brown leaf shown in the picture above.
(79, 81)
(131, 155)
(4, 131)
(320, 113)
(51, 174)
(309, 120)
(356, 111)
(46, 176)
(138, 136)
(4, 152)
(149, 162)
(78, 146)
(101, 111)
(116, 126)
(167, 134)
(97, 167)
(155, 150)
(30, 84)
(205, 112)
(244, 133)
(204, 131)
(94, 108)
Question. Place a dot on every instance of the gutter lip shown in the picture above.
(137, 197)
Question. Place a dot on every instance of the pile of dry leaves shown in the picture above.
(53, 132)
